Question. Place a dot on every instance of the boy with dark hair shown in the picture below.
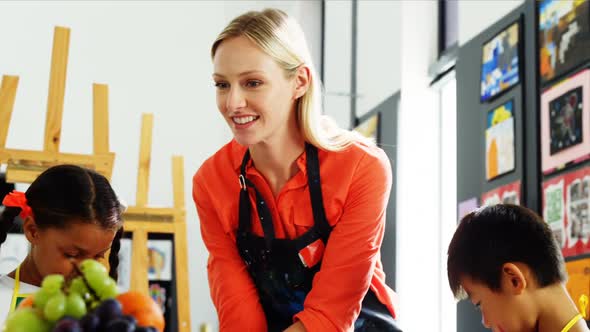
(506, 260)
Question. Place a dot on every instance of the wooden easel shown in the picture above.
(141, 220)
(23, 166)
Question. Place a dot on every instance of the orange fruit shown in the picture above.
(26, 303)
(145, 310)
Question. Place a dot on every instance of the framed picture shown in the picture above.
(508, 194)
(578, 283)
(369, 126)
(500, 62)
(500, 153)
(160, 260)
(565, 122)
(564, 37)
(13, 251)
(566, 209)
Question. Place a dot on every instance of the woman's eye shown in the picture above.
(221, 85)
(253, 84)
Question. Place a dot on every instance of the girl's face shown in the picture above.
(53, 249)
(254, 95)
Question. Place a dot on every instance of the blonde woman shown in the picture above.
(292, 210)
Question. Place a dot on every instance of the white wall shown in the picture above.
(418, 214)
(155, 58)
(476, 16)
(378, 52)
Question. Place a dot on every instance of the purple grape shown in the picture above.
(67, 324)
(109, 310)
(130, 319)
(146, 329)
(90, 323)
(120, 325)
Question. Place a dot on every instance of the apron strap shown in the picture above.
(315, 192)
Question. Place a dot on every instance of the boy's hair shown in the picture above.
(66, 193)
(488, 238)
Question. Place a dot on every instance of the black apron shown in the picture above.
(276, 265)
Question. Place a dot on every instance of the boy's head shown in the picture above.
(499, 252)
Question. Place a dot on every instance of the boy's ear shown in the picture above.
(31, 230)
(513, 279)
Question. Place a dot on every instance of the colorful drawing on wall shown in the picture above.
(564, 36)
(508, 194)
(499, 69)
(578, 283)
(466, 207)
(370, 128)
(500, 153)
(565, 122)
(566, 208)
(13, 252)
(159, 260)
(124, 269)
(158, 293)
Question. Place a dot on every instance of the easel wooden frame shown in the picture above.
(23, 166)
(141, 220)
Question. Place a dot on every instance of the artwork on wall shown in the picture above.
(369, 127)
(565, 122)
(500, 62)
(124, 269)
(160, 260)
(500, 152)
(578, 283)
(566, 209)
(508, 194)
(13, 252)
(564, 36)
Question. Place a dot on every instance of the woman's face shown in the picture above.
(53, 249)
(254, 95)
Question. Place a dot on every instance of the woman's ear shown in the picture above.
(302, 81)
(31, 230)
(513, 279)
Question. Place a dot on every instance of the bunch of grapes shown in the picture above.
(86, 304)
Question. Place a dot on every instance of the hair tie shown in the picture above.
(19, 200)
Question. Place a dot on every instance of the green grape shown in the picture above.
(41, 298)
(52, 283)
(97, 281)
(55, 307)
(26, 320)
(110, 290)
(92, 266)
(75, 306)
(78, 286)
(94, 304)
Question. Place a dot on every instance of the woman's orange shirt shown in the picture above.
(355, 184)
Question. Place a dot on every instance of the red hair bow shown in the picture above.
(19, 200)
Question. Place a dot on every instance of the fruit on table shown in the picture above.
(88, 303)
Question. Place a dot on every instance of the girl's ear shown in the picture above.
(31, 230)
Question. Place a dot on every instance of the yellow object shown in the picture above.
(571, 323)
(583, 305)
(15, 293)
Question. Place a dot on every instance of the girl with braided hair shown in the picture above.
(69, 214)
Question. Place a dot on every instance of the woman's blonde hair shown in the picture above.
(281, 37)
